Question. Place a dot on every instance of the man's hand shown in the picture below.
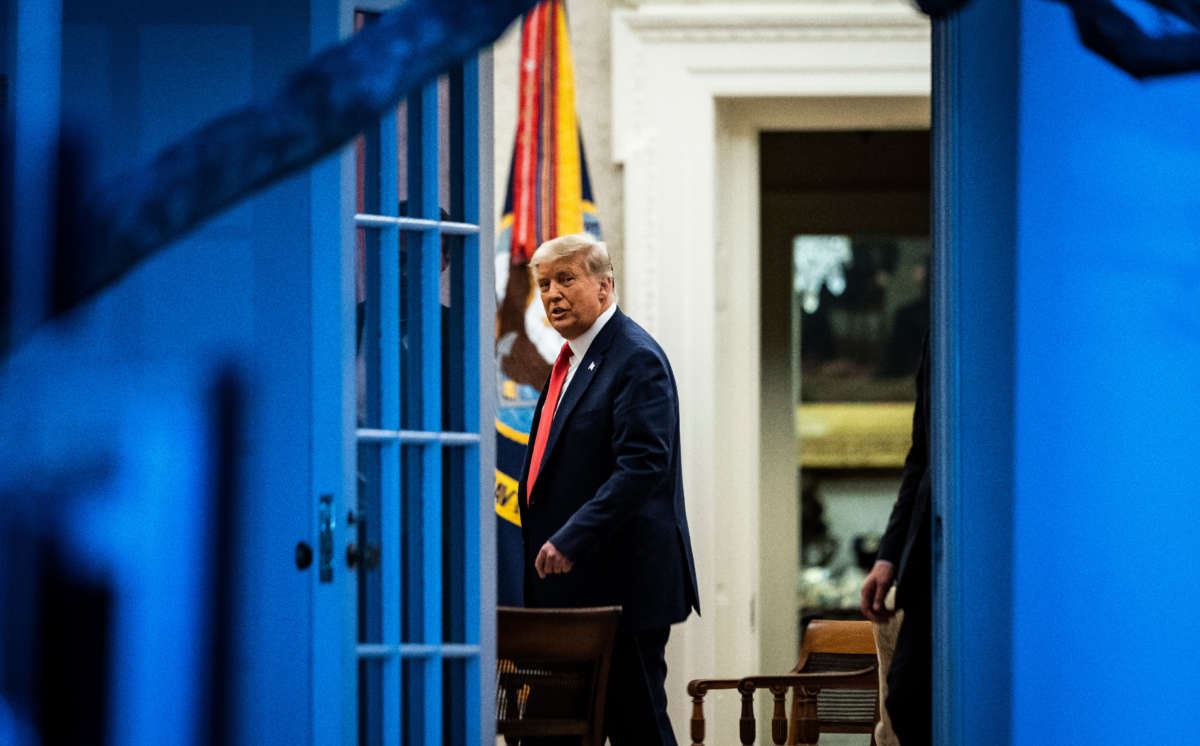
(551, 562)
(874, 589)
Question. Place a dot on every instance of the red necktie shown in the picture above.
(557, 376)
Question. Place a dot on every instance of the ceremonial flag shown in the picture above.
(548, 195)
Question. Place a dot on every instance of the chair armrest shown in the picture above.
(699, 687)
(859, 678)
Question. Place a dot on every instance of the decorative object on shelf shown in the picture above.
(819, 262)
(826, 588)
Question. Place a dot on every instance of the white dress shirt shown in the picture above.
(580, 345)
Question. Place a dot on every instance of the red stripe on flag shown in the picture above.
(551, 205)
(546, 120)
(526, 160)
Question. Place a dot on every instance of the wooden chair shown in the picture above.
(834, 688)
(552, 671)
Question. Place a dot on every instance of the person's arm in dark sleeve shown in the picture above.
(915, 465)
(644, 427)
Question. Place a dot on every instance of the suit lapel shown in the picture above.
(582, 380)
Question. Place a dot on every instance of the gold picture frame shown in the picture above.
(853, 435)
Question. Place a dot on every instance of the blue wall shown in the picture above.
(135, 76)
(1073, 496)
(1107, 502)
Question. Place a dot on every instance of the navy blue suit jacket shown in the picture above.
(609, 492)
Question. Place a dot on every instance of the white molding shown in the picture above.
(770, 22)
(641, 227)
(660, 52)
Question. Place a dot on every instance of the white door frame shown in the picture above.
(692, 88)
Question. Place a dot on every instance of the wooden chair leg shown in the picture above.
(747, 724)
(806, 728)
(698, 720)
(778, 721)
(794, 721)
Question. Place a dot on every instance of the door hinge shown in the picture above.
(326, 525)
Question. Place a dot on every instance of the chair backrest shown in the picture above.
(838, 645)
(552, 670)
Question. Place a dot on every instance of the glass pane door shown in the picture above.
(416, 549)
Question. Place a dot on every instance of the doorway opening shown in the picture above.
(845, 306)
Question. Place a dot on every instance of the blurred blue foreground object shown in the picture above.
(1145, 38)
(321, 107)
(117, 556)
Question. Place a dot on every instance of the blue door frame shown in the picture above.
(974, 233)
(334, 679)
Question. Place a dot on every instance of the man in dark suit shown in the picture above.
(904, 557)
(601, 492)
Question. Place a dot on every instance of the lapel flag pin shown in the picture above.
(592, 366)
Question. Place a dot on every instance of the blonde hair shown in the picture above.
(595, 253)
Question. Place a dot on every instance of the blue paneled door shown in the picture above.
(413, 541)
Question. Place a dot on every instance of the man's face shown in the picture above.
(573, 299)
